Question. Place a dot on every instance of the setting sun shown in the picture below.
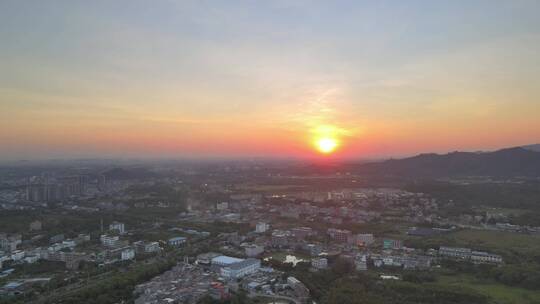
(326, 145)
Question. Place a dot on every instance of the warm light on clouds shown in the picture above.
(375, 79)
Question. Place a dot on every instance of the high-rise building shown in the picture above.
(102, 183)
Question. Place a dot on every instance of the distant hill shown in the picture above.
(532, 147)
(503, 163)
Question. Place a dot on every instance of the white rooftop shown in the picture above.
(225, 260)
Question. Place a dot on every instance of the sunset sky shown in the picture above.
(266, 78)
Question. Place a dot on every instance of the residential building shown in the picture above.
(128, 254)
(117, 226)
(69, 243)
(313, 249)
(364, 239)
(56, 238)
(31, 259)
(392, 244)
(485, 257)
(206, 258)
(151, 247)
(262, 227)
(110, 241)
(455, 252)
(319, 263)
(279, 238)
(360, 262)
(302, 232)
(9, 243)
(222, 206)
(300, 290)
(177, 241)
(338, 234)
(17, 255)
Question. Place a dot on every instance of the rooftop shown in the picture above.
(243, 263)
(178, 238)
(225, 260)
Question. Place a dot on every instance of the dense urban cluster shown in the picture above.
(222, 240)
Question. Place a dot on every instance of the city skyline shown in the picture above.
(281, 79)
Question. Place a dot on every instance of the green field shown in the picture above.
(523, 243)
(514, 247)
(500, 293)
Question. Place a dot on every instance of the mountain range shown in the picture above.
(510, 162)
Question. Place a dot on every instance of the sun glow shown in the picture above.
(326, 145)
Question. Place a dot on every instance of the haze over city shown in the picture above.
(269, 152)
(343, 79)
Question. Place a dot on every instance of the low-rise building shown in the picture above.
(300, 290)
(485, 257)
(222, 206)
(151, 247)
(31, 259)
(9, 243)
(56, 238)
(69, 244)
(241, 269)
(205, 259)
(177, 241)
(455, 252)
(360, 262)
(313, 249)
(392, 244)
(17, 255)
(261, 227)
(128, 254)
(117, 226)
(81, 238)
(339, 235)
(253, 250)
(224, 260)
(364, 239)
(279, 238)
(110, 241)
(319, 263)
(302, 232)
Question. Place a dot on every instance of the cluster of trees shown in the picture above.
(520, 276)
(524, 276)
(114, 289)
(419, 277)
(400, 292)
(522, 196)
(331, 287)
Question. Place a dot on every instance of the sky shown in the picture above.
(266, 78)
